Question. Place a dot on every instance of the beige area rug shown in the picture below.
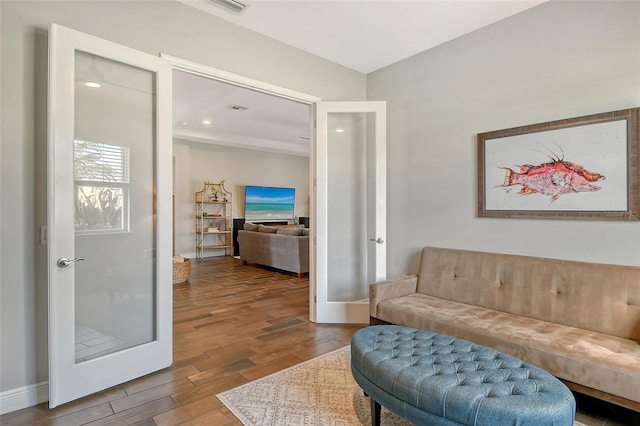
(319, 392)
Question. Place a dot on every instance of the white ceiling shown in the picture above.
(202, 112)
(360, 34)
(366, 35)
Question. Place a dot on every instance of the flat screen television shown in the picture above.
(268, 203)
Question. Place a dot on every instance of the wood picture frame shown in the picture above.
(577, 168)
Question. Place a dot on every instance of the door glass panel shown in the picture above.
(351, 217)
(114, 178)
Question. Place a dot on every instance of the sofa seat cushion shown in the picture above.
(608, 363)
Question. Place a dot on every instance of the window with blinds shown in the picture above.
(101, 177)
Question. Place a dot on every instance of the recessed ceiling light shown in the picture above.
(339, 130)
(206, 122)
(184, 123)
(93, 77)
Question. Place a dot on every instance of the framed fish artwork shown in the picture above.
(576, 168)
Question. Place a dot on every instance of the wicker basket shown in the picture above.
(181, 271)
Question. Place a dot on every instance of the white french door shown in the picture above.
(349, 204)
(109, 214)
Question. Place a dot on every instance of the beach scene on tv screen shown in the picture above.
(264, 203)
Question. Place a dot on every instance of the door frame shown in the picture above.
(378, 107)
(282, 92)
(238, 80)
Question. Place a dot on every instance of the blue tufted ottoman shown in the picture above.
(433, 379)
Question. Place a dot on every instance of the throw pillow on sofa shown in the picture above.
(267, 229)
(248, 226)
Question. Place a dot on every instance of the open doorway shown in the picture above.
(225, 130)
(367, 213)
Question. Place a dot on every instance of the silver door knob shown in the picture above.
(378, 240)
(65, 262)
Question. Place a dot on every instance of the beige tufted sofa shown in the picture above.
(281, 247)
(579, 321)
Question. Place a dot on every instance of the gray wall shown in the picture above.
(153, 27)
(555, 61)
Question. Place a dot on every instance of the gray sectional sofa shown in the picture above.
(579, 321)
(280, 247)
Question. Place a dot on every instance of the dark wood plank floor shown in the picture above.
(233, 323)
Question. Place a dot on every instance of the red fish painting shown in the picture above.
(555, 178)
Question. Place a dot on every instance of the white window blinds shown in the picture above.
(99, 162)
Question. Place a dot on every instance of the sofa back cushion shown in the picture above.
(597, 297)
(276, 250)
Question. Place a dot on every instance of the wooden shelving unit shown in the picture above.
(214, 219)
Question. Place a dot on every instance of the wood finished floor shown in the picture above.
(233, 323)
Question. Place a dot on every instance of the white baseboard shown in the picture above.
(26, 396)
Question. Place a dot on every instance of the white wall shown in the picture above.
(196, 163)
(153, 27)
(558, 60)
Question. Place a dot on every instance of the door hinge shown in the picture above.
(315, 299)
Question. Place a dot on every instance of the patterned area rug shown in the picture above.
(320, 391)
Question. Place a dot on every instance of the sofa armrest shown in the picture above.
(390, 288)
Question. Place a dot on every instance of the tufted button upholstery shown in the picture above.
(429, 377)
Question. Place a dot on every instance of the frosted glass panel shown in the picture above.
(114, 173)
(350, 184)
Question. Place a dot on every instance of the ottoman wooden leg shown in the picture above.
(375, 412)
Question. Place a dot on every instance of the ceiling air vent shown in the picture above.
(230, 5)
